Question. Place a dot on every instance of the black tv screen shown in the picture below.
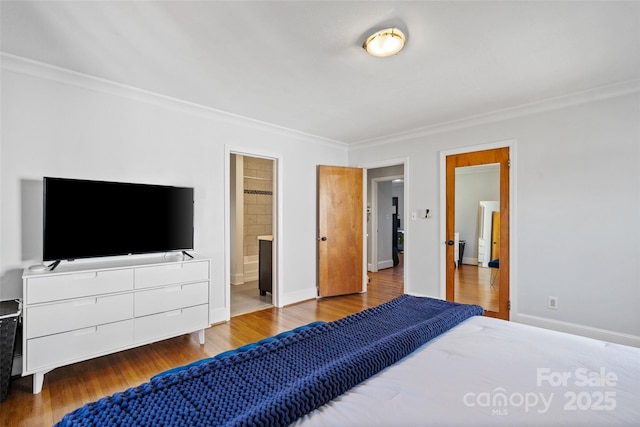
(84, 219)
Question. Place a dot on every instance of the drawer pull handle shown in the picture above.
(174, 313)
(174, 289)
(85, 276)
(90, 301)
(86, 331)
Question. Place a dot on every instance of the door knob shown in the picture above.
(323, 238)
(450, 242)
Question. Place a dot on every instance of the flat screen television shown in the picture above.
(85, 219)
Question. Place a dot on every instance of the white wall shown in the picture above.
(57, 123)
(576, 231)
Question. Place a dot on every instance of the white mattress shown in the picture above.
(492, 372)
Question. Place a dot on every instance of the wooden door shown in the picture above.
(340, 230)
(500, 156)
(495, 235)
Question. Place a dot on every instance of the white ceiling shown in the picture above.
(300, 65)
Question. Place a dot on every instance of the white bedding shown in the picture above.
(492, 372)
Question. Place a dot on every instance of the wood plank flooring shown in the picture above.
(70, 387)
(473, 286)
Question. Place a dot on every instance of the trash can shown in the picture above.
(9, 316)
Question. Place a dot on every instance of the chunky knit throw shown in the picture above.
(275, 383)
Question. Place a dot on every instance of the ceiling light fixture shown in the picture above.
(385, 42)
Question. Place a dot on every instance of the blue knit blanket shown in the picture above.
(276, 383)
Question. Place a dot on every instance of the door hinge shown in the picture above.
(508, 163)
(509, 305)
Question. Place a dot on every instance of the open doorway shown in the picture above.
(252, 220)
(386, 218)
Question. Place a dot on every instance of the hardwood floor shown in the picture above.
(473, 286)
(70, 387)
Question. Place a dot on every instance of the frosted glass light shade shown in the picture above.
(385, 42)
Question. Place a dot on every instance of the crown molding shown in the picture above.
(555, 103)
(29, 67)
(45, 71)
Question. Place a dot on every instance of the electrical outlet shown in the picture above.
(552, 303)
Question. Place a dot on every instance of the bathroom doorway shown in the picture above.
(252, 228)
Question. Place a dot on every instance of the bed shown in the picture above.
(487, 371)
(412, 361)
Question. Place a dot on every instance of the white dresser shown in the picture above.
(78, 312)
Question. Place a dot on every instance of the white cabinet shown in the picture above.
(170, 297)
(171, 323)
(170, 273)
(51, 351)
(53, 287)
(79, 312)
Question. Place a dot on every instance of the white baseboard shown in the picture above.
(237, 279)
(249, 273)
(299, 296)
(251, 276)
(381, 265)
(416, 294)
(250, 268)
(576, 329)
(385, 264)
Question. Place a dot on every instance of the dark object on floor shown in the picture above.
(494, 263)
(9, 315)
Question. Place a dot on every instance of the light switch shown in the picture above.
(414, 215)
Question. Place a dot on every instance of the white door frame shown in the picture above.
(277, 223)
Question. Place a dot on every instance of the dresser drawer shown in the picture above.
(170, 298)
(76, 314)
(75, 285)
(69, 347)
(171, 323)
(180, 272)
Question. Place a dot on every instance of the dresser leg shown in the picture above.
(38, 380)
(201, 336)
